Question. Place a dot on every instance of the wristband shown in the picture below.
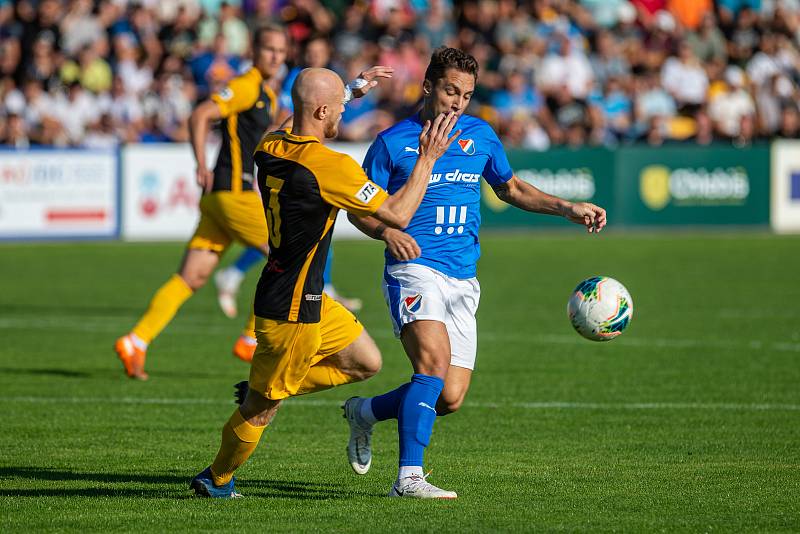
(358, 83)
(379, 231)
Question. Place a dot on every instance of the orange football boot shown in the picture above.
(244, 348)
(132, 357)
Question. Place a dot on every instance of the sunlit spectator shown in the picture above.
(685, 79)
(729, 110)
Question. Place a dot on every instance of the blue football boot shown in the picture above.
(203, 486)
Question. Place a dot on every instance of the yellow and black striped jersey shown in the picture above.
(303, 185)
(248, 107)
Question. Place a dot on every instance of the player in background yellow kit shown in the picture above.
(230, 209)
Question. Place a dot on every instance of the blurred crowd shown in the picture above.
(97, 73)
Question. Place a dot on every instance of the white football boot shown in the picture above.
(359, 448)
(228, 281)
(417, 487)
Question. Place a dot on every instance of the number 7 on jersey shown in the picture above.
(274, 211)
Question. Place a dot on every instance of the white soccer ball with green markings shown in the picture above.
(600, 308)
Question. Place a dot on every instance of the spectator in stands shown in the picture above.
(230, 26)
(435, 28)
(653, 104)
(685, 79)
(745, 36)
(605, 13)
(212, 68)
(708, 43)
(734, 109)
(517, 98)
(729, 9)
(264, 13)
(10, 58)
(567, 70)
(90, 70)
(136, 74)
(790, 121)
(101, 134)
(316, 54)
(180, 35)
(608, 60)
(39, 114)
(80, 27)
(76, 111)
(704, 129)
(349, 38)
(16, 134)
(616, 111)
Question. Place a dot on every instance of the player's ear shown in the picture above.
(427, 88)
(321, 112)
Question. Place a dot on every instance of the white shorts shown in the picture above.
(415, 292)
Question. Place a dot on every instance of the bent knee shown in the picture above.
(445, 407)
(195, 279)
(369, 366)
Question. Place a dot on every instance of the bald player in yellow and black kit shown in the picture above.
(230, 208)
(307, 342)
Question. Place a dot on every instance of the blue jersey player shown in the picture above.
(429, 280)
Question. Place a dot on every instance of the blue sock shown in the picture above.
(416, 417)
(387, 405)
(326, 275)
(249, 257)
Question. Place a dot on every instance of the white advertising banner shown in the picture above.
(785, 201)
(160, 196)
(61, 194)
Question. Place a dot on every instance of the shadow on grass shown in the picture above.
(66, 373)
(265, 488)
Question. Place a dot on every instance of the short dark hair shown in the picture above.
(444, 58)
(268, 28)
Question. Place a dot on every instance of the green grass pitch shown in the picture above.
(690, 421)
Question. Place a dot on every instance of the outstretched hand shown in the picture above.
(372, 76)
(585, 213)
(434, 140)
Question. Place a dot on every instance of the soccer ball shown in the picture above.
(600, 308)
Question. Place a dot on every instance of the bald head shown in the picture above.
(318, 95)
(314, 88)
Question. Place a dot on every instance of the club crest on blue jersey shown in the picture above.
(467, 145)
(413, 303)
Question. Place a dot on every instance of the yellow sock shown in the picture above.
(239, 440)
(163, 307)
(250, 326)
(323, 376)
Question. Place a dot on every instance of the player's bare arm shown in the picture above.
(371, 76)
(400, 245)
(199, 126)
(359, 87)
(524, 196)
(434, 141)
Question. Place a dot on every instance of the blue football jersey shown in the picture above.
(446, 223)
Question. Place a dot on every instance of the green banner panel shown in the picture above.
(692, 185)
(578, 175)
